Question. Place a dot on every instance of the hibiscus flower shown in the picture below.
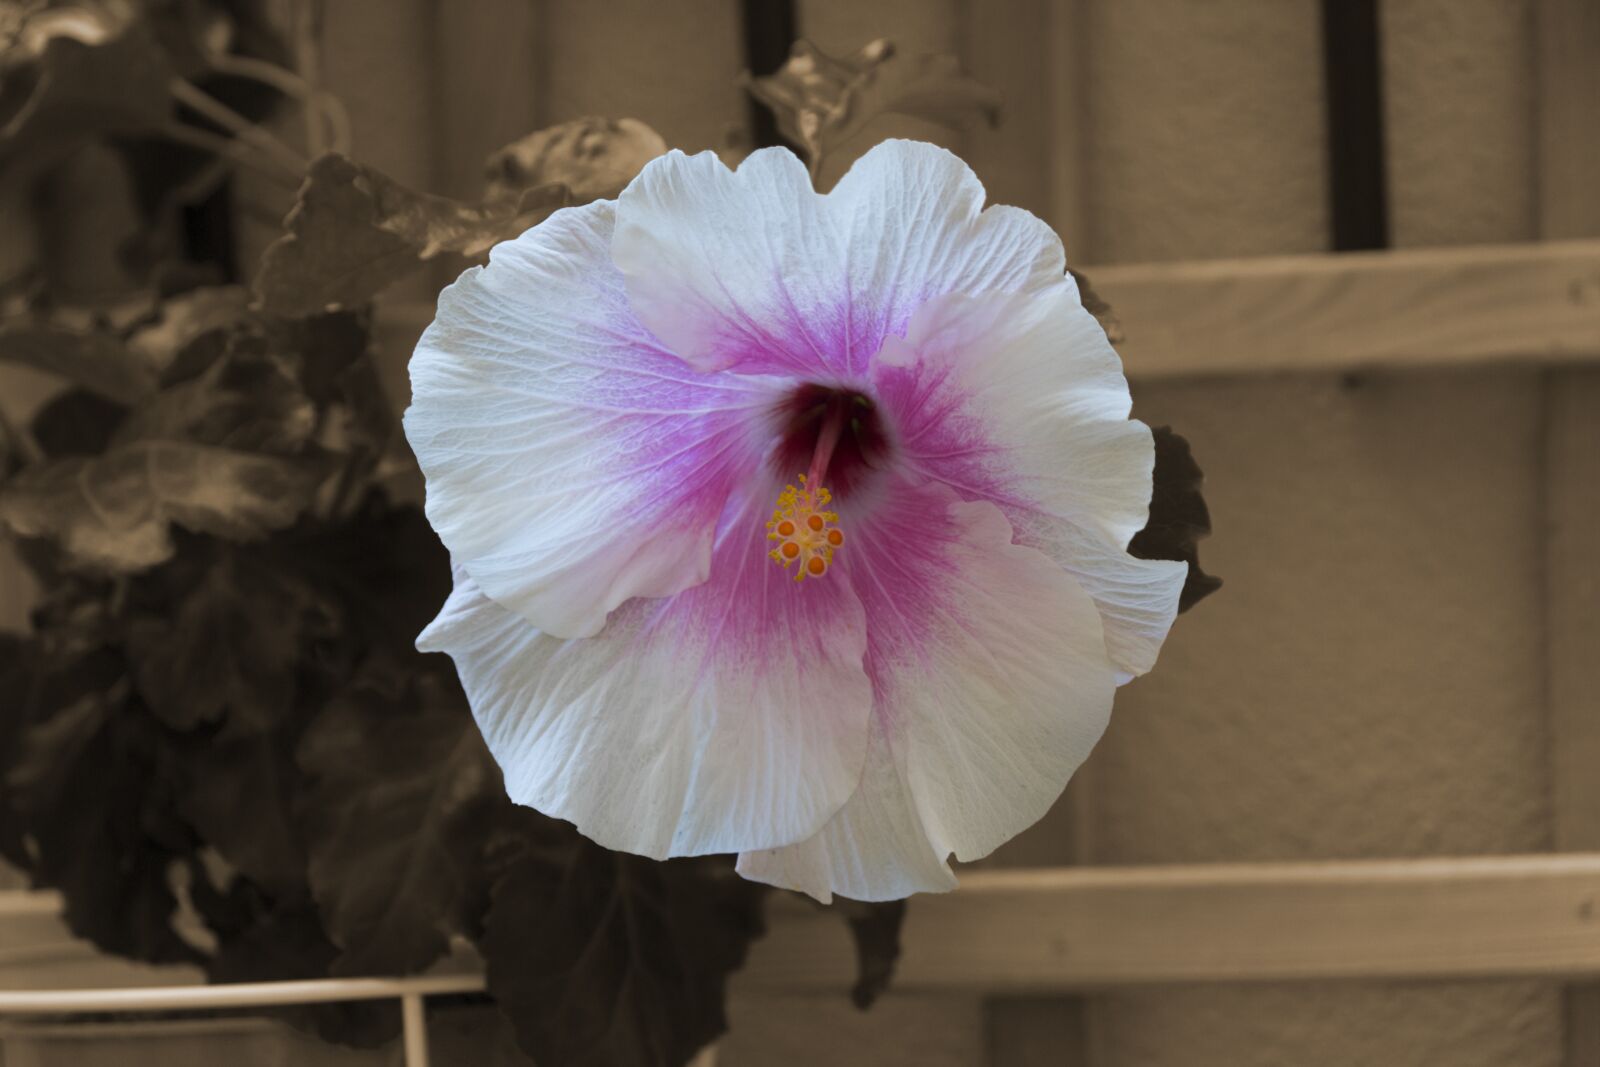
(788, 524)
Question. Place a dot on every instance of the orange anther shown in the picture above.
(804, 530)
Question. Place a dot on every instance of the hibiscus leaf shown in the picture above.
(91, 778)
(225, 454)
(285, 941)
(875, 929)
(1179, 518)
(602, 959)
(397, 810)
(111, 513)
(189, 331)
(217, 634)
(593, 157)
(822, 100)
(97, 361)
(353, 231)
(237, 792)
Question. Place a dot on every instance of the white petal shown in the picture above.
(991, 686)
(876, 848)
(571, 462)
(752, 270)
(731, 716)
(1020, 400)
(914, 228)
(732, 269)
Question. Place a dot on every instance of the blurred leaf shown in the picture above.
(594, 157)
(822, 100)
(96, 361)
(1179, 518)
(1096, 305)
(79, 70)
(218, 637)
(243, 402)
(401, 790)
(875, 929)
(196, 319)
(286, 942)
(218, 455)
(111, 513)
(329, 346)
(76, 423)
(354, 230)
(385, 564)
(602, 959)
(238, 793)
(92, 782)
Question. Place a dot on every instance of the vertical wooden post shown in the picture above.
(1569, 178)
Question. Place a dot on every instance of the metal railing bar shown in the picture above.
(237, 995)
(414, 1024)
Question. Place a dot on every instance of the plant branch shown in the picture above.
(215, 143)
(319, 107)
(242, 129)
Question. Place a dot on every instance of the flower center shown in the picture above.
(840, 431)
(806, 532)
(859, 444)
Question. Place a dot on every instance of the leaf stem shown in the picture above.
(242, 129)
(207, 141)
(327, 121)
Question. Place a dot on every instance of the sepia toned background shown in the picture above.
(1402, 661)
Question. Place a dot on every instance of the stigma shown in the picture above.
(806, 532)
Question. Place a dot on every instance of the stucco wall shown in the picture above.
(1368, 683)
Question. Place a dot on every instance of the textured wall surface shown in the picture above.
(1366, 684)
(1204, 130)
(1461, 124)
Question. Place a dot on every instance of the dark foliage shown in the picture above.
(1179, 518)
(635, 954)
(875, 929)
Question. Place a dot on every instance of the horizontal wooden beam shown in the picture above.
(1534, 303)
(1095, 927)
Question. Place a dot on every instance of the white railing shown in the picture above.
(411, 992)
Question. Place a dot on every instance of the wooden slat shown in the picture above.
(1526, 303)
(1087, 928)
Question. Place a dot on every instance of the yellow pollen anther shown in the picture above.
(805, 529)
